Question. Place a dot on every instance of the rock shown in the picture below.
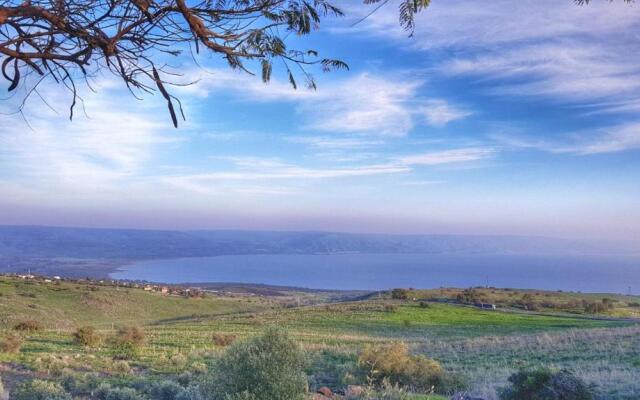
(354, 391)
(325, 391)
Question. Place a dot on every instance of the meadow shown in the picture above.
(188, 334)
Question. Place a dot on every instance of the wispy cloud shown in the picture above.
(611, 139)
(363, 104)
(463, 155)
(440, 112)
(91, 154)
(249, 173)
(563, 70)
(333, 142)
(532, 48)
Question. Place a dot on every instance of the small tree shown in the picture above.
(400, 294)
(546, 384)
(266, 367)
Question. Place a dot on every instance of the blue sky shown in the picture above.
(496, 117)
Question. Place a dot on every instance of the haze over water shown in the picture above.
(614, 274)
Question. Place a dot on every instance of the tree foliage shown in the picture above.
(71, 40)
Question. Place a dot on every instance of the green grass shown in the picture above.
(544, 300)
(68, 305)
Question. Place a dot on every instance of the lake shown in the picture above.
(615, 274)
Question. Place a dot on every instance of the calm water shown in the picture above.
(384, 271)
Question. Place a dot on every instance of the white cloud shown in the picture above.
(560, 70)
(531, 47)
(449, 156)
(87, 156)
(361, 104)
(440, 113)
(332, 142)
(604, 140)
(464, 24)
(250, 174)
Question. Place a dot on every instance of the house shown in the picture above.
(485, 306)
(148, 288)
(164, 290)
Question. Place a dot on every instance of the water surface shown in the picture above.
(384, 271)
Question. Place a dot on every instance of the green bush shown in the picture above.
(80, 384)
(38, 389)
(107, 392)
(241, 396)
(546, 384)
(400, 294)
(166, 390)
(266, 367)
(87, 336)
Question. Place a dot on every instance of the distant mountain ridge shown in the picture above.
(93, 243)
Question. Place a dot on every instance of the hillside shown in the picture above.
(55, 242)
(483, 346)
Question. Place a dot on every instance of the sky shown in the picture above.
(496, 117)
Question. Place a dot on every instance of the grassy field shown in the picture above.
(481, 345)
(540, 300)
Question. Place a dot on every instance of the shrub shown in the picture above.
(127, 342)
(120, 367)
(178, 361)
(390, 308)
(12, 343)
(199, 367)
(400, 294)
(166, 390)
(546, 384)
(87, 336)
(107, 392)
(131, 334)
(241, 396)
(266, 367)
(424, 304)
(51, 364)
(80, 384)
(393, 363)
(468, 296)
(28, 325)
(223, 339)
(634, 304)
(594, 307)
(38, 389)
